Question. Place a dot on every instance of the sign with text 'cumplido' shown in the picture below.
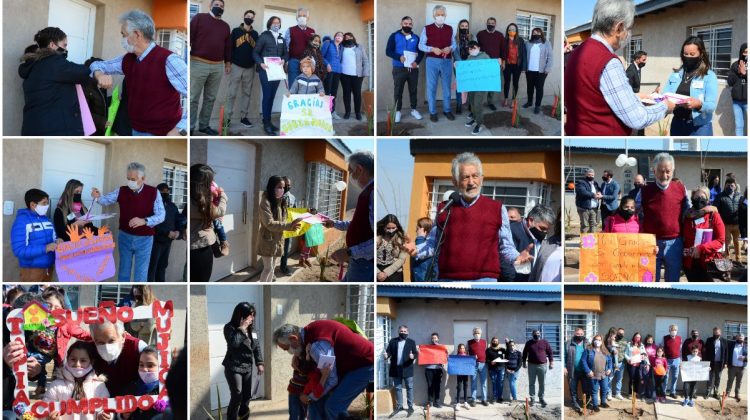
(161, 311)
(617, 257)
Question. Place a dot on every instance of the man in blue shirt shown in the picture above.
(403, 49)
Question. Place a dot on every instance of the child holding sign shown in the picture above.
(307, 83)
(146, 384)
(476, 99)
(689, 386)
(462, 381)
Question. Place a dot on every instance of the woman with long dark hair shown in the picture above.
(243, 354)
(391, 253)
(538, 64)
(695, 79)
(461, 53)
(354, 69)
(737, 82)
(273, 223)
(205, 206)
(515, 60)
(70, 209)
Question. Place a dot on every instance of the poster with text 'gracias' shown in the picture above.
(625, 257)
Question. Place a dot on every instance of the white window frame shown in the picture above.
(360, 307)
(635, 44)
(574, 171)
(176, 41)
(321, 193)
(590, 324)
(195, 8)
(721, 72)
(546, 328)
(382, 337)
(176, 176)
(536, 193)
(734, 327)
(525, 31)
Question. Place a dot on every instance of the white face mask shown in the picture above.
(78, 372)
(673, 333)
(148, 377)
(109, 352)
(126, 45)
(597, 343)
(275, 28)
(474, 52)
(302, 20)
(133, 185)
(440, 20)
(477, 336)
(41, 210)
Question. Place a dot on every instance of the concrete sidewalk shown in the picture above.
(480, 412)
(350, 127)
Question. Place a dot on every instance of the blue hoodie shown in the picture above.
(29, 237)
(331, 54)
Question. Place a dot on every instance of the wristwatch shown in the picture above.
(183, 132)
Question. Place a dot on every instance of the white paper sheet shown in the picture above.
(275, 70)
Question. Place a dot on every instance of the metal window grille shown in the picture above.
(718, 41)
(550, 331)
(521, 195)
(321, 193)
(527, 21)
(175, 176)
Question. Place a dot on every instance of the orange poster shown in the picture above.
(626, 257)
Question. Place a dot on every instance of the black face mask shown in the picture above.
(535, 37)
(619, 337)
(695, 336)
(62, 51)
(605, 179)
(463, 31)
(691, 63)
(578, 338)
(406, 29)
(589, 178)
(637, 186)
(699, 202)
(536, 336)
(626, 214)
(76, 198)
(249, 21)
(641, 65)
(348, 43)
(217, 11)
(538, 234)
(717, 336)
(403, 335)
(165, 197)
(490, 28)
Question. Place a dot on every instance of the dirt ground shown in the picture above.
(710, 409)
(535, 413)
(332, 269)
(620, 411)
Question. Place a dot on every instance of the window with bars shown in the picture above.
(521, 195)
(175, 175)
(732, 328)
(195, 8)
(113, 293)
(572, 174)
(718, 42)
(360, 307)
(382, 337)
(589, 321)
(173, 40)
(550, 331)
(527, 21)
(370, 49)
(635, 44)
(321, 193)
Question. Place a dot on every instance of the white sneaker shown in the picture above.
(335, 116)
(466, 405)
(416, 114)
(619, 397)
(397, 118)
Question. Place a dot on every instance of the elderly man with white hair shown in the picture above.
(296, 38)
(598, 96)
(155, 79)
(141, 209)
(438, 42)
(118, 355)
(473, 233)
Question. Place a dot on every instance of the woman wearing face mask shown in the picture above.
(461, 53)
(331, 51)
(273, 223)
(696, 80)
(697, 260)
(77, 380)
(70, 210)
(354, 69)
(537, 67)
(737, 81)
(242, 358)
(648, 378)
(597, 363)
(635, 356)
(496, 369)
(313, 50)
(271, 44)
(515, 61)
(391, 254)
(203, 212)
(143, 329)
(146, 384)
(51, 105)
(624, 220)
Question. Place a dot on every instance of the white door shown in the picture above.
(662, 327)
(82, 160)
(455, 12)
(220, 302)
(288, 19)
(463, 332)
(77, 19)
(233, 163)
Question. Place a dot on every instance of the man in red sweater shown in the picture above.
(118, 355)
(477, 347)
(672, 351)
(296, 38)
(210, 60)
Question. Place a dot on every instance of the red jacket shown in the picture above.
(63, 336)
(709, 250)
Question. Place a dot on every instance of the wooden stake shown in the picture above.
(585, 404)
(723, 399)
(632, 394)
(527, 409)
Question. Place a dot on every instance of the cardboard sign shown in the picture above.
(625, 257)
(306, 115)
(36, 317)
(462, 365)
(432, 354)
(162, 312)
(478, 76)
(86, 258)
(695, 371)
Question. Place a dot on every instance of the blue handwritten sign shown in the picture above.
(478, 76)
(461, 365)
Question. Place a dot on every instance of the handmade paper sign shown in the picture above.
(478, 76)
(161, 311)
(625, 257)
(306, 115)
(275, 70)
(86, 258)
(695, 371)
(36, 317)
(292, 214)
(432, 354)
(461, 365)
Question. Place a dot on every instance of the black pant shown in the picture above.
(688, 388)
(714, 377)
(352, 85)
(403, 75)
(157, 267)
(201, 264)
(240, 391)
(285, 257)
(434, 380)
(535, 81)
(331, 86)
(511, 70)
(605, 213)
(659, 381)
(462, 382)
(634, 372)
(697, 272)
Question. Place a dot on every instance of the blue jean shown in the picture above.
(575, 378)
(482, 280)
(599, 385)
(293, 68)
(670, 254)
(269, 94)
(512, 379)
(740, 111)
(398, 384)
(673, 371)
(360, 270)
(617, 378)
(219, 229)
(137, 133)
(297, 410)
(439, 68)
(682, 127)
(134, 247)
(43, 359)
(497, 377)
(480, 375)
(335, 405)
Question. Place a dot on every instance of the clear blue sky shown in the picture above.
(355, 144)
(466, 285)
(394, 170)
(578, 12)
(731, 289)
(707, 144)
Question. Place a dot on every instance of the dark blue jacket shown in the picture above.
(514, 360)
(610, 193)
(331, 54)
(588, 361)
(397, 44)
(419, 267)
(29, 236)
(584, 194)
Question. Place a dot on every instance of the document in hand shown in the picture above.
(326, 360)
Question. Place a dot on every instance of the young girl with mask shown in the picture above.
(313, 50)
(463, 37)
(462, 381)
(624, 220)
(70, 209)
(391, 253)
(696, 260)
(77, 380)
(146, 384)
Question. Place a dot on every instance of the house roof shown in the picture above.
(641, 10)
(676, 153)
(339, 145)
(435, 146)
(655, 292)
(407, 291)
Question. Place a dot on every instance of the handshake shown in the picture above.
(104, 81)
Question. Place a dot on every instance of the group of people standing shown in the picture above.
(217, 51)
